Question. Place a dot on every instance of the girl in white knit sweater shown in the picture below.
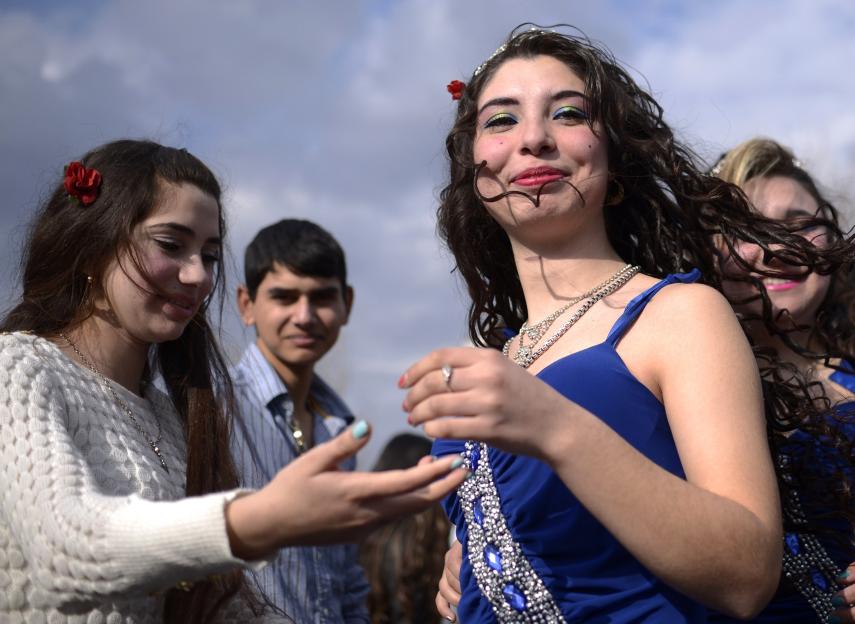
(118, 500)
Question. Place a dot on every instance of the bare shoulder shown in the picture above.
(691, 306)
(690, 321)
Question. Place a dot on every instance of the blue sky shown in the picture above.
(337, 112)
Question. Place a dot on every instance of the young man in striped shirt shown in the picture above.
(297, 297)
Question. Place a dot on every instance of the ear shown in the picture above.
(348, 302)
(246, 306)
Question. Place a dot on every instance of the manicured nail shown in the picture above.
(404, 406)
(360, 429)
(457, 463)
(469, 476)
(838, 601)
(410, 420)
(843, 575)
(402, 381)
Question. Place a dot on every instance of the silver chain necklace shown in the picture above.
(525, 356)
(535, 332)
(155, 443)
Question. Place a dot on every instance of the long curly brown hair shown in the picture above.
(672, 217)
(65, 244)
(404, 559)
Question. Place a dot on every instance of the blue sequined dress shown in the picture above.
(532, 552)
(811, 562)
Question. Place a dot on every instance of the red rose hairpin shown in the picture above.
(455, 88)
(82, 184)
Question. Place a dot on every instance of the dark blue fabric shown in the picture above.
(591, 576)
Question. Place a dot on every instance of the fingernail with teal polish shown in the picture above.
(457, 463)
(469, 476)
(843, 575)
(360, 429)
(837, 601)
(433, 458)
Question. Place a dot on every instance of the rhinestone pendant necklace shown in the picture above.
(535, 332)
(525, 356)
(153, 443)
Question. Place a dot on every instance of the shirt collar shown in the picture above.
(260, 376)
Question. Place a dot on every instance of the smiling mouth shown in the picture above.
(781, 283)
(537, 176)
(304, 338)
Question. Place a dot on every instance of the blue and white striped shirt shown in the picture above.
(313, 585)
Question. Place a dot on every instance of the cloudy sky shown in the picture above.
(336, 111)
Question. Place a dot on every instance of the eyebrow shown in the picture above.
(800, 212)
(180, 228)
(509, 101)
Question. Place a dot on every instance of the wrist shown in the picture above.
(246, 525)
(560, 436)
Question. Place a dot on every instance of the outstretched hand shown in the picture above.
(312, 502)
(487, 398)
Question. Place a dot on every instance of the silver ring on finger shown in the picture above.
(447, 372)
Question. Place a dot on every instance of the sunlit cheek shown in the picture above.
(160, 268)
(491, 150)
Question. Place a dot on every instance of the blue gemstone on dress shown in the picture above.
(493, 557)
(514, 596)
(478, 512)
(792, 542)
(819, 580)
(474, 456)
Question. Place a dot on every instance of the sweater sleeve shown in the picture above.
(80, 545)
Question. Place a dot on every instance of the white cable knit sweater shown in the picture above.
(92, 529)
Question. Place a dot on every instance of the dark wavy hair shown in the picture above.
(832, 334)
(67, 242)
(670, 216)
(404, 559)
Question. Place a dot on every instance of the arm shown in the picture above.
(80, 544)
(714, 536)
(83, 546)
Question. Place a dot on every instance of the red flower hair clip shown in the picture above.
(82, 184)
(455, 88)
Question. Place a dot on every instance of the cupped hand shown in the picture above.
(448, 595)
(312, 502)
(488, 398)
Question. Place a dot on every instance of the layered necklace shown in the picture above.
(154, 444)
(527, 353)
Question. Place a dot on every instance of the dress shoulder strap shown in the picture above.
(635, 307)
(845, 378)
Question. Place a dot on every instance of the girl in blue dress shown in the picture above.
(621, 471)
(813, 334)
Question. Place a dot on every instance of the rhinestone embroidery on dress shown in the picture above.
(806, 564)
(501, 570)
